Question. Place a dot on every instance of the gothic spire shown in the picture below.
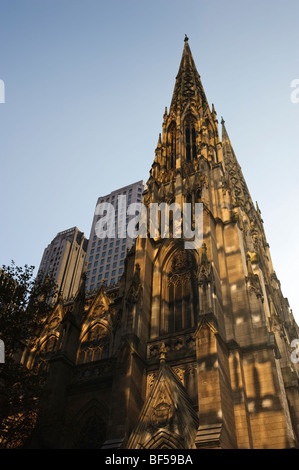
(240, 190)
(188, 86)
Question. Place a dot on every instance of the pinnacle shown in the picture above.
(225, 136)
(188, 87)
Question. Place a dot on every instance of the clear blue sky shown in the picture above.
(86, 84)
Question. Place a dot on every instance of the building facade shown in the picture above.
(64, 259)
(192, 349)
(106, 256)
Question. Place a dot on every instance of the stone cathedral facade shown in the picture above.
(192, 349)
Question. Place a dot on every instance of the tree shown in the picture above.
(25, 303)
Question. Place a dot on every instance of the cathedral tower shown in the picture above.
(217, 310)
(193, 348)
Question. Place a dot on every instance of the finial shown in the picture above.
(186, 38)
(159, 143)
(204, 255)
(222, 120)
(163, 351)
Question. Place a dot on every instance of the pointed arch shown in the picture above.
(49, 344)
(171, 145)
(92, 426)
(94, 343)
(175, 294)
(190, 137)
(167, 419)
(164, 440)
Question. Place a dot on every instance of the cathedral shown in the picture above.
(192, 349)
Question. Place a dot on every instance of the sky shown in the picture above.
(86, 86)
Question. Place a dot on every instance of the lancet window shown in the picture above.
(94, 345)
(172, 146)
(190, 139)
(179, 294)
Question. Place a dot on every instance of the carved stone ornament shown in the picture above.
(53, 323)
(136, 288)
(162, 414)
(254, 286)
(150, 381)
(163, 410)
(204, 272)
(181, 270)
(147, 199)
(184, 342)
(99, 310)
(204, 275)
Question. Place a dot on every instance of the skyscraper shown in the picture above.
(106, 256)
(64, 259)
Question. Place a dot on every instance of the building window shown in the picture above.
(190, 139)
(180, 308)
(172, 145)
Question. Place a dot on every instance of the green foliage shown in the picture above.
(25, 303)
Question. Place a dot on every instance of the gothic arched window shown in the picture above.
(92, 433)
(190, 139)
(190, 202)
(198, 194)
(179, 294)
(172, 146)
(94, 345)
